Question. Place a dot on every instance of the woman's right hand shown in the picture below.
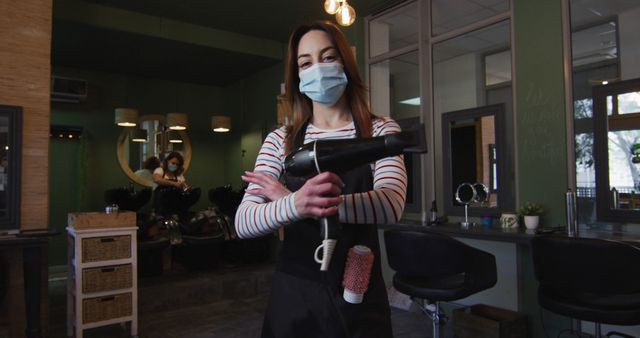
(319, 196)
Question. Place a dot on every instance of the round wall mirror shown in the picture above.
(137, 146)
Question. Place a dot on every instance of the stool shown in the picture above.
(588, 279)
(436, 267)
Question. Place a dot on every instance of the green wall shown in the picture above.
(541, 134)
(82, 170)
(252, 101)
(540, 114)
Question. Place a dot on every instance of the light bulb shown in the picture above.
(331, 6)
(346, 15)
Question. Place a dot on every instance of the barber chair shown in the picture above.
(175, 201)
(127, 199)
(226, 199)
(588, 279)
(436, 268)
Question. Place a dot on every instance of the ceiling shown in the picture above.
(196, 41)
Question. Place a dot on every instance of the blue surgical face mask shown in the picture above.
(172, 167)
(323, 82)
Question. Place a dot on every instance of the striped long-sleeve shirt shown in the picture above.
(256, 216)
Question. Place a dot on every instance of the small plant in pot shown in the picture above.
(531, 213)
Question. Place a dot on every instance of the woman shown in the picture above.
(170, 173)
(328, 99)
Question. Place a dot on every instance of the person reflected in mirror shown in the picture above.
(329, 101)
(148, 168)
(170, 172)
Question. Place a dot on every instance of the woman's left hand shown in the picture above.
(270, 188)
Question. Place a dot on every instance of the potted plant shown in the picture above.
(531, 213)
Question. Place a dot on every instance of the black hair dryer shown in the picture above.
(339, 156)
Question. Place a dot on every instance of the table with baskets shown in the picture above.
(102, 286)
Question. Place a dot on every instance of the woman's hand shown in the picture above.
(270, 188)
(319, 196)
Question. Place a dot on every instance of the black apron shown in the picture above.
(307, 302)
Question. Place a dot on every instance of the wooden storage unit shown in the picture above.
(102, 287)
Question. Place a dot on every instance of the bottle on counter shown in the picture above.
(615, 199)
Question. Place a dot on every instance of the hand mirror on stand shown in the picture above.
(482, 193)
(466, 194)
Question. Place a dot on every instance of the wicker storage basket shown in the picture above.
(106, 278)
(106, 248)
(104, 308)
(98, 220)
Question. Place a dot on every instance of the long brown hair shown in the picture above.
(301, 105)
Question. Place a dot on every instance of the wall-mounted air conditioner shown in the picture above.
(69, 90)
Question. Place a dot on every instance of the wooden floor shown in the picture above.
(219, 303)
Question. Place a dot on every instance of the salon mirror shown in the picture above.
(474, 151)
(134, 147)
(465, 194)
(482, 193)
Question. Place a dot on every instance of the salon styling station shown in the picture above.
(516, 289)
(102, 286)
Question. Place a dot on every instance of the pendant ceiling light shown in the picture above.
(177, 121)
(138, 135)
(174, 136)
(220, 124)
(126, 117)
(345, 14)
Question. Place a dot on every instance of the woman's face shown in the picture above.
(174, 161)
(316, 47)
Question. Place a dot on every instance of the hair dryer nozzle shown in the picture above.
(396, 143)
(341, 155)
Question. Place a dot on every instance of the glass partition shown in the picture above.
(395, 86)
(448, 15)
(471, 73)
(394, 31)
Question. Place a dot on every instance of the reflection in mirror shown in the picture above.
(10, 136)
(473, 147)
(616, 109)
(604, 52)
(141, 150)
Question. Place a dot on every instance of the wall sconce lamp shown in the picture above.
(126, 117)
(138, 135)
(177, 121)
(174, 136)
(345, 14)
(220, 124)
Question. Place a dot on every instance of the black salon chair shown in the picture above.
(226, 199)
(436, 267)
(175, 201)
(127, 199)
(588, 279)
